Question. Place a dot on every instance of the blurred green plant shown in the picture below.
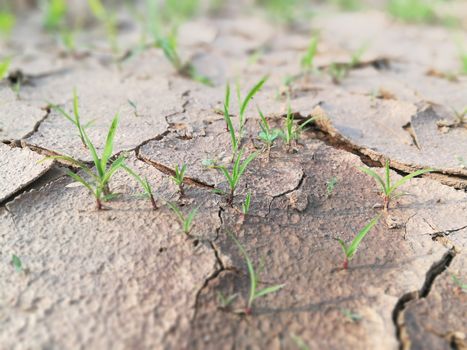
(417, 11)
(108, 19)
(4, 67)
(54, 12)
(7, 22)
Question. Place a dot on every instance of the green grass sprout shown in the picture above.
(309, 57)
(225, 301)
(4, 67)
(169, 47)
(246, 204)
(185, 220)
(104, 169)
(388, 189)
(235, 141)
(54, 14)
(179, 177)
(238, 169)
(243, 103)
(7, 22)
(460, 285)
(291, 133)
(75, 119)
(144, 184)
(16, 263)
(330, 184)
(267, 135)
(254, 292)
(417, 11)
(350, 250)
(108, 20)
(352, 316)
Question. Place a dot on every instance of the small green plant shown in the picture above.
(179, 177)
(463, 58)
(418, 11)
(460, 285)
(238, 169)
(330, 184)
(234, 140)
(460, 119)
(76, 119)
(352, 316)
(54, 13)
(7, 22)
(225, 301)
(104, 169)
(148, 193)
(388, 189)
(243, 103)
(337, 72)
(246, 204)
(68, 39)
(177, 11)
(254, 292)
(350, 250)
(134, 107)
(16, 263)
(186, 221)
(108, 20)
(291, 132)
(348, 5)
(4, 67)
(308, 58)
(356, 56)
(169, 46)
(267, 135)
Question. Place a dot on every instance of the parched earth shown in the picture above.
(128, 278)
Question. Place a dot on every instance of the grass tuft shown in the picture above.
(185, 220)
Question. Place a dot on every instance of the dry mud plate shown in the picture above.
(101, 109)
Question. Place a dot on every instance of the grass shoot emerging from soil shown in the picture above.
(16, 263)
(330, 184)
(185, 220)
(104, 169)
(233, 177)
(254, 292)
(179, 177)
(108, 20)
(4, 67)
(290, 134)
(246, 204)
(267, 135)
(7, 22)
(54, 12)
(388, 189)
(148, 193)
(350, 250)
(308, 59)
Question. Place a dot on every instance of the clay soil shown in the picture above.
(128, 278)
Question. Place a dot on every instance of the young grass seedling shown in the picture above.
(388, 189)
(419, 11)
(267, 135)
(246, 204)
(308, 58)
(349, 251)
(187, 69)
(186, 221)
(144, 184)
(178, 178)
(338, 72)
(108, 20)
(238, 169)
(291, 133)
(243, 103)
(16, 263)
(104, 170)
(225, 301)
(54, 14)
(460, 285)
(76, 120)
(254, 293)
(4, 67)
(234, 140)
(330, 184)
(352, 316)
(460, 119)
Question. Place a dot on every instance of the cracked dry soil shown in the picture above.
(127, 278)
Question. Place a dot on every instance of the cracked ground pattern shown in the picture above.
(128, 278)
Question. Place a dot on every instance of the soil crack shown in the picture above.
(398, 313)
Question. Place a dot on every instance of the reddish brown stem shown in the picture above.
(153, 202)
(182, 190)
(248, 311)
(386, 203)
(98, 204)
(346, 264)
(230, 198)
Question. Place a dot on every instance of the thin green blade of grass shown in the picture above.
(7, 22)
(252, 93)
(308, 58)
(407, 178)
(16, 263)
(117, 164)
(4, 66)
(374, 175)
(358, 239)
(269, 290)
(79, 179)
(108, 148)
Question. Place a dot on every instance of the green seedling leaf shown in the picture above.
(246, 204)
(16, 263)
(374, 175)
(109, 143)
(352, 249)
(330, 184)
(352, 316)
(224, 301)
(54, 13)
(4, 66)
(250, 95)
(407, 178)
(186, 221)
(459, 284)
(308, 58)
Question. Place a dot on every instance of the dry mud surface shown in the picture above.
(128, 278)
